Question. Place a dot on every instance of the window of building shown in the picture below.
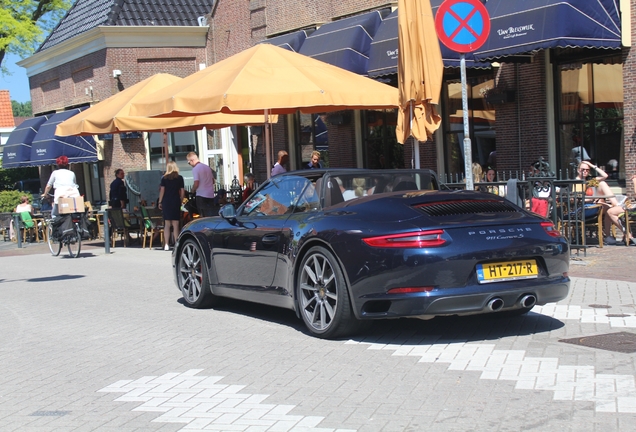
(590, 122)
(380, 143)
(314, 135)
(481, 121)
(179, 145)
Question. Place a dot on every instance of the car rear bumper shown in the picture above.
(461, 301)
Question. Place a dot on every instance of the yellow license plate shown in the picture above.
(506, 271)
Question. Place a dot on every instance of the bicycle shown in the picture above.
(72, 239)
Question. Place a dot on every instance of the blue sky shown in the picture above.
(17, 83)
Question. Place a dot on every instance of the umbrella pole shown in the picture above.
(416, 142)
(268, 157)
(165, 146)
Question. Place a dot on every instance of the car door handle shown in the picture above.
(270, 239)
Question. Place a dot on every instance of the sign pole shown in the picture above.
(468, 154)
(463, 26)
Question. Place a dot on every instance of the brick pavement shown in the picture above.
(104, 343)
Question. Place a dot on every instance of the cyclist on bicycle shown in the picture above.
(64, 182)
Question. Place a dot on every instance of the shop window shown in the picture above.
(380, 143)
(179, 145)
(481, 120)
(314, 135)
(591, 116)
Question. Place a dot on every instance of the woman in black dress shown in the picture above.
(171, 196)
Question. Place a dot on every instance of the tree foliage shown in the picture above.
(25, 23)
(22, 109)
(8, 177)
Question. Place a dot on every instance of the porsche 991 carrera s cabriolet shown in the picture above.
(342, 247)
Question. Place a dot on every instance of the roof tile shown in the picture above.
(6, 111)
(85, 15)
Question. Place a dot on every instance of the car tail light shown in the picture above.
(419, 239)
(410, 290)
(550, 229)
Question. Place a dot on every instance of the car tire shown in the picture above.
(192, 276)
(323, 296)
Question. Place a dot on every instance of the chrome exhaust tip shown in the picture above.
(496, 304)
(527, 301)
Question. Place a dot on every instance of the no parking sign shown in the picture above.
(462, 25)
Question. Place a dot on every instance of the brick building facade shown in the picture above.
(525, 129)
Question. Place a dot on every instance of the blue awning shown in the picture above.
(525, 27)
(17, 150)
(383, 55)
(290, 41)
(345, 43)
(46, 146)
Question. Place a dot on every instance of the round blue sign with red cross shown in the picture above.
(462, 25)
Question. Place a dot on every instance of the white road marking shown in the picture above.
(203, 404)
(585, 315)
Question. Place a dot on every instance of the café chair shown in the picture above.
(576, 220)
(594, 221)
(629, 218)
(28, 226)
(120, 226)
(151, 227)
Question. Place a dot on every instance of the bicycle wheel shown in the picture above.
(54, 246)
(74, 242)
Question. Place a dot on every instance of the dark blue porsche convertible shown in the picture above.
(342, 247)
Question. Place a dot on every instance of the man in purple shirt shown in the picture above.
(279, 167)
(203, 185)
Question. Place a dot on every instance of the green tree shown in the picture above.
(8, 177)
(22, 109)
(25, 23)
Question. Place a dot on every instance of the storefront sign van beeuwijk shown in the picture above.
(513, 32)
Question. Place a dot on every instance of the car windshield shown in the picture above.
(282, 195)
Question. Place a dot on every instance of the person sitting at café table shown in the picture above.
(611, 210)
(248, 184)
(24, 205)
(491, 177)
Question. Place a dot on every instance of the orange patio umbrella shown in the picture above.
(266, 79)
(112, 115)
(420, 70)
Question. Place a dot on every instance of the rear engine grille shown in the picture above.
(449, 208)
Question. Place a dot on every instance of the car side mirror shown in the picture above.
(228, 212)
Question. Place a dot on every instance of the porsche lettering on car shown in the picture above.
(342, 247)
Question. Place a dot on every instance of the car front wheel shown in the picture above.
(192, 276)
(323, 297)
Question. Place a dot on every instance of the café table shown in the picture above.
(40, 223)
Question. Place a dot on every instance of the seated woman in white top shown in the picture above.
(24, 205)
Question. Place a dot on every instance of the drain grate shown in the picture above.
(50, 413)
(600, 306)
(623, 342)
(617, 315)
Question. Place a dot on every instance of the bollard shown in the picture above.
(106, 233)
(16, 229)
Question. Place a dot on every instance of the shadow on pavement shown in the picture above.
(408, 330)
